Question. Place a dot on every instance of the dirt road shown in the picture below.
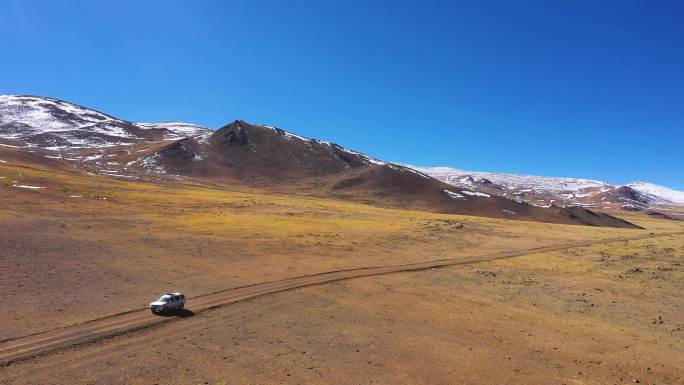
(37, 344)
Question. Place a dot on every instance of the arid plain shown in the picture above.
(86, 247)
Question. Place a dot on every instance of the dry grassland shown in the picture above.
(607, 314)
(87, 246)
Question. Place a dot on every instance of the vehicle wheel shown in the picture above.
(180, 307)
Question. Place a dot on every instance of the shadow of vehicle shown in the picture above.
(182, 313)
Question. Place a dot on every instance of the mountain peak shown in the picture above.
(546, 191)
(254, 154)
(43, 122)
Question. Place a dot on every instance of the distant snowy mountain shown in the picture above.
(50, 122)
(33, 121)
(545, 191)
(107, 145)
(511, 181)
(665, 193)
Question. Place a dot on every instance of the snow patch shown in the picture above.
(366, 157)
(179, 129)
(453, 195)
(290, 136)
(406, 169)
(476, 194)
(93, 157)
(7, 145)
(151, 164)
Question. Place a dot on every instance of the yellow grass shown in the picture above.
(149, 237)
(583, 315)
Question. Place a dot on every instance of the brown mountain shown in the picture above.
(243, 150)
(272, 157)
(251, 155)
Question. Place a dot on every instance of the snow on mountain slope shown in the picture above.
(22, 116)
(512, 181)
(79, 133)
(665, 193)
(180, 129)
(292, 136)
(542, 190)
(53, 124)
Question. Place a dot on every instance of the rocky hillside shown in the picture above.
(247, 154)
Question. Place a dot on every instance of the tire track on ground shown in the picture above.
(37, 344)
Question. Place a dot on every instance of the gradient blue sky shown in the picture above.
(567, 88)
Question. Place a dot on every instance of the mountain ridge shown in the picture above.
(241, 153)
(545, 190)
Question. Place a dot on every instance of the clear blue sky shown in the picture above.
(569, 88)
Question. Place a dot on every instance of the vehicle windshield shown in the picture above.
(164, 298)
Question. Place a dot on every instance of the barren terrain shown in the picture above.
(600, 314)
(86, 247)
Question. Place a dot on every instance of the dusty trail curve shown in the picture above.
(52, 340)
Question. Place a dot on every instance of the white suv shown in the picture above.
(170, 301)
